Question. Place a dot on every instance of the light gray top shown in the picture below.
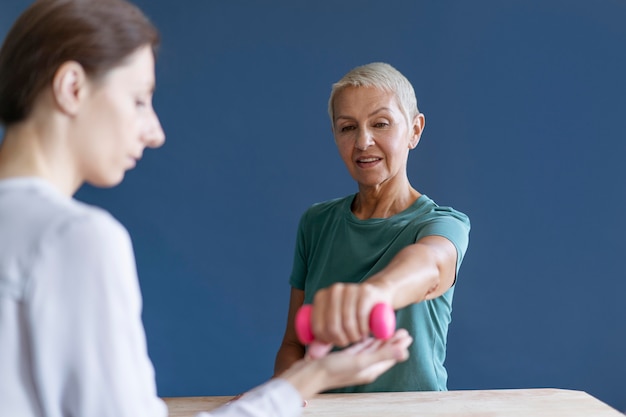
(72, 341)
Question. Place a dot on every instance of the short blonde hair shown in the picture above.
(379, 75)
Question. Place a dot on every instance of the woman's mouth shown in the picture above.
(367, 162)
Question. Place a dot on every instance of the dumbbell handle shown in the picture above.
(382, 322)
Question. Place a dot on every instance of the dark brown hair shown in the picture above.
(98, 34)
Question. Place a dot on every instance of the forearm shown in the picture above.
(291, 350)
(307, 377)
(277, 397)
(288, 354)
(419, 272)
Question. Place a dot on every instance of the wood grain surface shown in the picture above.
(486, 403)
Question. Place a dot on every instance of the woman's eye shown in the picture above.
(381, 124)
(347, 128)
(143, 101)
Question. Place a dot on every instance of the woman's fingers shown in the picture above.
(341, 313)
(364, 361)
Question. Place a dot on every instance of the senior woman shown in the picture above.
(386, 243)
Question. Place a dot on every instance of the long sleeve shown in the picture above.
(275, 398)
(88, 346)
(73, 343)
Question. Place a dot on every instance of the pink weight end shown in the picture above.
(382, 321)
(303, 324)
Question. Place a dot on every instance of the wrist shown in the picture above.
(308, 377)
(383, 291)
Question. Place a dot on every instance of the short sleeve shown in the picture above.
(451, 224)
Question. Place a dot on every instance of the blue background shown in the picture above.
(525, 105)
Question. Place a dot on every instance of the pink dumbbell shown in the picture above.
(382, 322)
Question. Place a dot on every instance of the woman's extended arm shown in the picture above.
(421, 271)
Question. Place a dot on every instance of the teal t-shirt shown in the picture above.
(333, 245)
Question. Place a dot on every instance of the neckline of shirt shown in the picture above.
(421, 200)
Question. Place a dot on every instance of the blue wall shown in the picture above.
(525, 105)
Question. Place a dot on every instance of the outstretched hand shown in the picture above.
(358, 364)
(363, 362)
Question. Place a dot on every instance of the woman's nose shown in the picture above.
(364, 139)
(154, 136)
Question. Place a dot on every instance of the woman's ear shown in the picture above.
(418, 127)
(68, 87)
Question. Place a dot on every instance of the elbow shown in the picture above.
(434, 285)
